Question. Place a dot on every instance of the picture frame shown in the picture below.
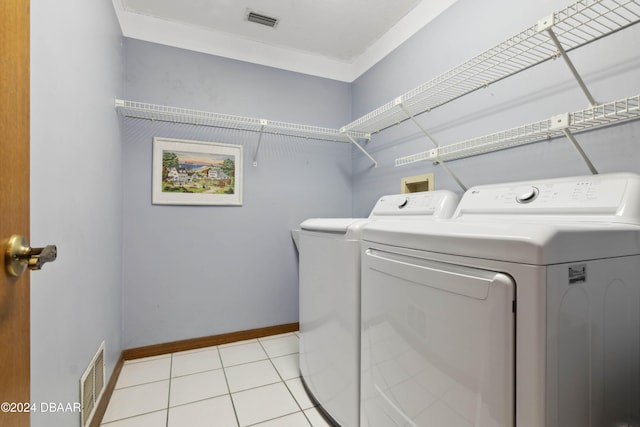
(186, 172)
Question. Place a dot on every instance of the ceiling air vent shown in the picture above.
(259, 18)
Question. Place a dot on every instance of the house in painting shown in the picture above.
(216, 173)
(173, 175)
(179, 177)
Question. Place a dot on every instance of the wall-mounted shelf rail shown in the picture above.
(561, 125)
(163, 113)
(575, 26)
(553, 36)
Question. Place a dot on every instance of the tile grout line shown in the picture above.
(169, 393)
(139, 385)
(284, 382)
(226, 380)
(251, 388)
(129, 418)
(196, 373)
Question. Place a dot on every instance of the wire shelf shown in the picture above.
(163, 113)
(574, 26)
(590, 118)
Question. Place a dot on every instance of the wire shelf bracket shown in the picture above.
(546, 24)
(562, 122)
(263, 123)
(398, 102)
(594, 117)
(354, 142)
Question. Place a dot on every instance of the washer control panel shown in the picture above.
(432, 203)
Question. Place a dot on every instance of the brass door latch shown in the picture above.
(19, 255)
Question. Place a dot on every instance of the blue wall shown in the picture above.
(76, 197)
(192, 271)
(609, 67)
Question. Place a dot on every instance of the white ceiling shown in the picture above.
(337, 39)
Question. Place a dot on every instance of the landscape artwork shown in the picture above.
(196, 173)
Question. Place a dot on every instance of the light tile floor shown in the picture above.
(248, 383)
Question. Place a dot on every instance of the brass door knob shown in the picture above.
(19, 255)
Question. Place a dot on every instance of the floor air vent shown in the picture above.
(261, 19)
(92, 385)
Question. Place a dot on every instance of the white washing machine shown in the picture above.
(522, 310)
(330, 297)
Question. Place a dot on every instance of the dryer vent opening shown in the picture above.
(92, 385)
(259, 18)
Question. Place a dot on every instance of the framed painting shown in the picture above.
(196, 173)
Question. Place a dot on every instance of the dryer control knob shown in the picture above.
(403, 203)
(526, 195)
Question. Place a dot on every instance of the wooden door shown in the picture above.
(14, 209)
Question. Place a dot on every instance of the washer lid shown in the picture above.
(527, 243)
(329, 225)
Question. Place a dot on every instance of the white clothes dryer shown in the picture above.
(330, 298)
(522, 310)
